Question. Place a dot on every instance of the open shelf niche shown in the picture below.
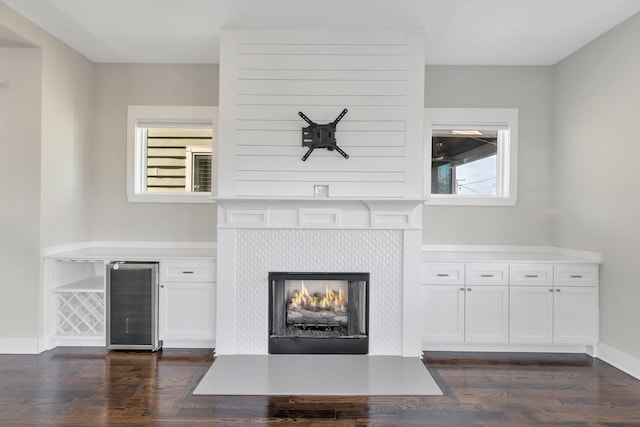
(78, 297)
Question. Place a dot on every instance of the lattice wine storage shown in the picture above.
(78, 298)
(80, 313)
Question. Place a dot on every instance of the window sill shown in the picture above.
(171, 198)
(445, 200)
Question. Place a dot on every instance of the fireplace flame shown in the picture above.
(331, 300)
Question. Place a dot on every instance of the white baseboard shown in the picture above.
(19, 346)
(70, 341)
(620, 360)
(188, 343)
(510, 348)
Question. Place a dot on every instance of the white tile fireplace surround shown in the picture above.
(378, 252)
(389, 251)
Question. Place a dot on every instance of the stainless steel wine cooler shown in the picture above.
(132, 306)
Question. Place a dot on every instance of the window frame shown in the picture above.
(506, 160)
(136, 153)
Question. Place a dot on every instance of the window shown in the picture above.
(473, 156)
(198, 169)
(171, 154)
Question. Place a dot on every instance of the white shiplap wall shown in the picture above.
(267, 76)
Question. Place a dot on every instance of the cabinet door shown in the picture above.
(487, 314)
(187, 314)
(443, 313)
(575, 311)
(531, 314)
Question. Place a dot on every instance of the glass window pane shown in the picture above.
(477, 177)
(202, 172)
(464, 161)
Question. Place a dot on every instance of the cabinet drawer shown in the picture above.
(575, 275)
(487, 274)
(187, 271)
(531, 274)
(443, 274)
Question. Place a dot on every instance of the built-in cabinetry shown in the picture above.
(465, 304)
(187, 303)
(75, 307)
(75, 296)
(553, 304)
(485, 305)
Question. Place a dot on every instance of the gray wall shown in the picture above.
(49, 128)
(20, 69)
(530, 89)
(596, 173)
(116, 87)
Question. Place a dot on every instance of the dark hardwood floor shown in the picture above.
(92, 387)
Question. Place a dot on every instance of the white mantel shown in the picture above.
(320, 213)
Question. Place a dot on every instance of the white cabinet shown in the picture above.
(75, 297)
(531, 314)
(535, 304)
(554, 304)
(187, 303)
(575, 315)
(457, 314)
(461, 313)
(187, 314)
(531, 303)
(443, 313)
(486, 314)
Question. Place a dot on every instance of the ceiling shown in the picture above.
(500, 32)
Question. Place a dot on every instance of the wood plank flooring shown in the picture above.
(93, 387)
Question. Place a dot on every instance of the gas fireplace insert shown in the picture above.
(318, 313)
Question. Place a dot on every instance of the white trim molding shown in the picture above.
(390, 214)
(19, 345)
(619, 359)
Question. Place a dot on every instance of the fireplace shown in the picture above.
(318, 313)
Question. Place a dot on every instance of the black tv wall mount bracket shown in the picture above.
(321, 136)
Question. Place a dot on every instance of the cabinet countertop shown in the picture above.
(509, 257)
(135, 254)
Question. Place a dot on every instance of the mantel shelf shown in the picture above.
(397, 213)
